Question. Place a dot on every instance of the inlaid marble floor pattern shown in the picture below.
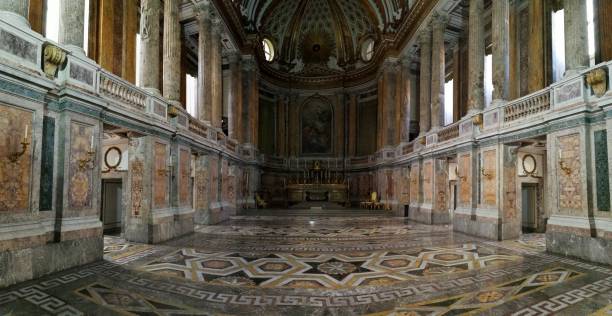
(300, 265)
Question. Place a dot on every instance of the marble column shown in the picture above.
(501, 50)
(352, 123)
(72, 24)
(204, 65)
(537, 34)
(476, 53)
(405, 105)
(235, 98)
(217, 74)
(250, 100)
(16, 10)
(438, 71)
(172, 52)
(150, 11)
(576, 43)
(425, 106)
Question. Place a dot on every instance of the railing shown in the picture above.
(121, 91)
(527, 106)
(448, 133)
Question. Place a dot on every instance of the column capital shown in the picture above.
(425, 35)
(203, 12)
(439, 19)
(234, 57)
(249, 63)
(217, 27)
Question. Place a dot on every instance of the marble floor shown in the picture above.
(317, 265)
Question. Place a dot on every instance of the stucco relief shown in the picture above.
(14, 175)
(464, 174)
(184, 174)
(441, 184)
(427, 178)
(80, 185)
(137, 177)
(488, 171)
(414, 184)
(568, 171)
(160, 174)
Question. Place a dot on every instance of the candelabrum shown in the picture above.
(13, 157)
(88, 161)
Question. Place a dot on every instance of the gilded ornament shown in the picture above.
(596, 78)
(52, 59)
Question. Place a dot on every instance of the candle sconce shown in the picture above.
(461, 177)
(486, 174)
(88, 161)
(13, 157)
(568, 170)
(165, 172)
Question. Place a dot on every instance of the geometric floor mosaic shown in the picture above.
(303, 265)
(327, 270)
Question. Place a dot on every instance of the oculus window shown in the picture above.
(268, 49)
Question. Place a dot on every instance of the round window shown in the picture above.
(367, 50)
(268, 49)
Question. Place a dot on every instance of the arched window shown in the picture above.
(367, 50)
(268, 49)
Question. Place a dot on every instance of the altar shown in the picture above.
(317, 184)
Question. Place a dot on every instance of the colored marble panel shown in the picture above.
(214, 179)
(568, 171)
(160, 176)
(46, 170)
(17, 46)
(81, 170)
(465, 180)
(15, 174)
(602, 174)
(489, 169)
(184, 174)
(427, 178)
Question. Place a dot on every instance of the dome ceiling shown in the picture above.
(320, 37)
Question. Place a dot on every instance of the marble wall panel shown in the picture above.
(390, 185)
(441, 185)
(414, 184)
(427, 182)
(81, 172)
(509, 196)
(488, 172)
(160, 175)
(568, 172)
(15, 176)
(465, 180)
(403, 176)
(184, 174)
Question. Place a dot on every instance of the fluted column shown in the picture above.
(235, 98)
(425, 102)
(72, 24)
(150, 11)
(438, 71)
(501, 50)
(250, 99)
(576, 43)
(476, 53)
(15, 9)
(217, 75)
(405, 105)
(204, 65)
(172, 52)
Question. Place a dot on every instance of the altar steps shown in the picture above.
(316, 212)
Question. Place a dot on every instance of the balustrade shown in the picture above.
(121, 91)
(527, 106)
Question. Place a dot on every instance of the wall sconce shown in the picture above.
(565, 168)
(486, 174)
(13, 157)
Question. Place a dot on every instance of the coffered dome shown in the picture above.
(320, 37)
